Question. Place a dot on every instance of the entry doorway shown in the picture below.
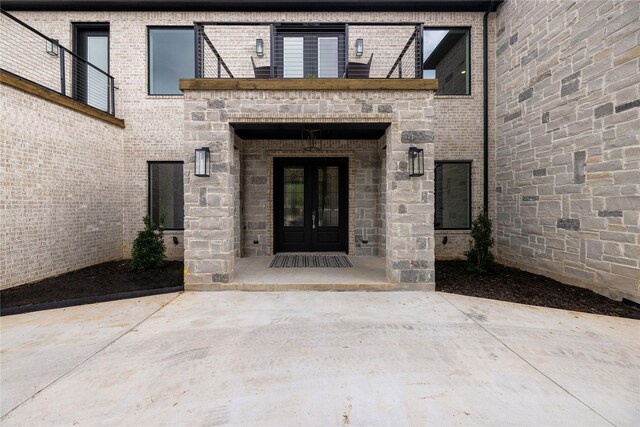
(310, 204)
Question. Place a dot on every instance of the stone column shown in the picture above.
(410, 200)
(209, 201)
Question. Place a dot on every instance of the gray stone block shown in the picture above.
(416, 136)
(401, 265)
(603, 110)
(568, 224)
(579, 163)
(545, 117)
(530, 198)
(414, 276)
(540, 172)
(627, 106)
(569, 88)
(610, 214)
(624, 203)
(203, 196)
(572, 77)
(525, 95)
(502, 48)
(512, 116)
(215, 103)
(220, 278)
(385, 108)
(529, 57)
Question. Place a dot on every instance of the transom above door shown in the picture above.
(310, 204)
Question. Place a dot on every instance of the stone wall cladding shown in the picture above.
(155, 123)
(209, 230)
(60, 189)
(568, 154)
(257, 185)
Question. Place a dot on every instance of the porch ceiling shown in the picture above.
(297, 130)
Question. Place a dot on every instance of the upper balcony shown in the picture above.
(382, 50)
(30, 57)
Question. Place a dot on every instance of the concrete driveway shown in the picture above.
(318, 359)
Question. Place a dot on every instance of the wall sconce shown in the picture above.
(259, 47)
(416, 161)
(359, 47)
(203, 159)
(52, 47)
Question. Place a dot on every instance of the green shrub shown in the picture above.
(148, 248)
(479, 256)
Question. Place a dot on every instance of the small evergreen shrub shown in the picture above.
(479, 256)
(148, 248)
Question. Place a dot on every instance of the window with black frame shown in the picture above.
(447, 58)
(171, 57)
(453, 196)
(166, 194)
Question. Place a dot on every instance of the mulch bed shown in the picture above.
(513, 285)
(502, 283)
(95, 281)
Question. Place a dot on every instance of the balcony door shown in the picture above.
(91, 84)
(316, 51)
(310, 204)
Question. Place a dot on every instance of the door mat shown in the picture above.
(299, 261)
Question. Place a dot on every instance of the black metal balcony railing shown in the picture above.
(29, 54)
(308, 50)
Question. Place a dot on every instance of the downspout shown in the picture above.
(485, 102)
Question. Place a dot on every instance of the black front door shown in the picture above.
(310, 204)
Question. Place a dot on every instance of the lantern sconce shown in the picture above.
(259, 47)
(416, 161)
(203, 160)
(52, 47)
(359, 47)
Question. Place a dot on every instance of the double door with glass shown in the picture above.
(310, 204)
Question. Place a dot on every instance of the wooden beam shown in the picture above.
(309, 84)
(27, 86)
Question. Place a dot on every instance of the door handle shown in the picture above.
(313, 219)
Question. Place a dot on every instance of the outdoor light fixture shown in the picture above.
(359, 47)
(416, 161)
(259, 47)
(52, 47)
(203, 158)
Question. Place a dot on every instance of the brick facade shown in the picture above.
(568, 155)
(154, 123)
(61, 189)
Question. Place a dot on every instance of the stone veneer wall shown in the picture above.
(155, 123)
(60, 189)
(210, 202)
(257, 188)
(568, 155)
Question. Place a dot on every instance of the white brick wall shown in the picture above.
(60, 189)
(154, 124)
